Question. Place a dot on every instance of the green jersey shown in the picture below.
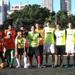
(33, 39)
(49, 35)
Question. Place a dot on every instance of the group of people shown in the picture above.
(24, 44)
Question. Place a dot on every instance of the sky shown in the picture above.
(56, 4)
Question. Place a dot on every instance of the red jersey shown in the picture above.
(1, 33)
(13, 32)
(9, 43)
(1, 45)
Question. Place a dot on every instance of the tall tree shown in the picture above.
(29, 15)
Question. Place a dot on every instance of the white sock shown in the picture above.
(18, 61)
(25, 62)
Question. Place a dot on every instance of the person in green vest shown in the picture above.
(33, 46)
(49, 42)
(60, 45)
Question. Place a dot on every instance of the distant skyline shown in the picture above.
(56, 4)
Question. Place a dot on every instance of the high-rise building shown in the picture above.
(66, 5)
(48, 4)
(4, 6)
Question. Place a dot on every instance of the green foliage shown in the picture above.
(29, 15)
(34, 13)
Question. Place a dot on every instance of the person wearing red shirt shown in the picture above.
(2, 64)
(12, 30)
(10, 48)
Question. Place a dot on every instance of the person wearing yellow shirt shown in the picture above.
(39, 29)
(70, 44)
(60, 45)
(49, 43)
(20, 49)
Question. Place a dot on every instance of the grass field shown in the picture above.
(42, 71)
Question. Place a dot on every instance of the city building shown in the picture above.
(65, 5)
(48, 4)
(4, 6)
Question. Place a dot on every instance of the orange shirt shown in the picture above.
(9, 43)
(41, 41)
(41, 31)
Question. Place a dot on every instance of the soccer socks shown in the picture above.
(12, 57)
(18, 63)
(39, 60)
(25, 62)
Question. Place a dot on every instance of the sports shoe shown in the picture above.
(18, 66)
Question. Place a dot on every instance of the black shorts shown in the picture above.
(60, 50)
(20, 51)
(34, 51)
(1, 56)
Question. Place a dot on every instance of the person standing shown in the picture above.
(10, 49)
(49, 42)
(20, 49)
(33, 46)
(70, 44)
(60, 45)
(40, 30)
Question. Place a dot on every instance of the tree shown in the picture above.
(29, 15)
(62, 18)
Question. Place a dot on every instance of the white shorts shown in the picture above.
(49, 48)
(70, 48)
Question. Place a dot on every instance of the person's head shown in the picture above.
(32, 28)
(69, 25)
(48, 24)
(37, 26)
(22, 28)
(58, 26)
(9, 27)
(19, 33)
(9, 34)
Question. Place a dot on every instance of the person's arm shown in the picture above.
(16, 46)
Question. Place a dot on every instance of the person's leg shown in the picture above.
(18, 59)
(8, 57)
(68, 59)
(74, 60)
(37, 54)
(53, 59)
(2, 64)
(56, 59)
(41, 54)
(61, 60)
(57, 55)
(12, 57)
(61, 55)
(39, 61)
(25, 60)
